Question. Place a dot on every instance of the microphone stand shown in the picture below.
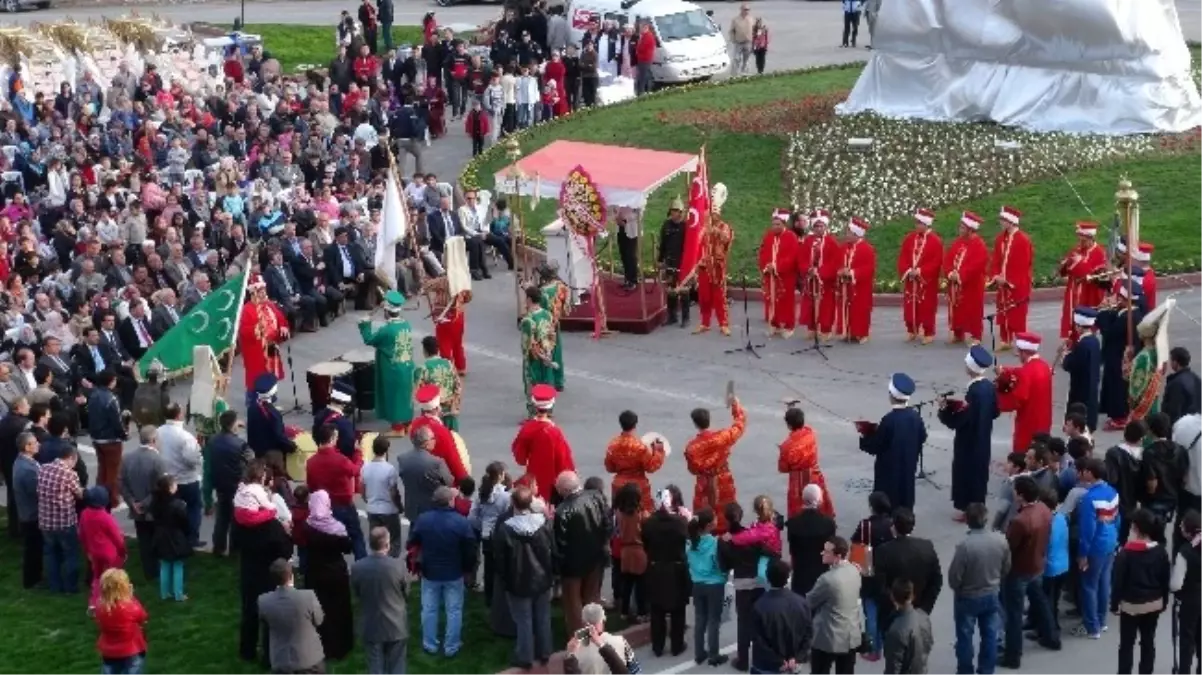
(923, 474)
(749, 347)
(296, 405)
(816, 346)
(991, 317)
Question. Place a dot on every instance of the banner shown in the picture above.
(212, 323)
(699, 213)
(394, 224)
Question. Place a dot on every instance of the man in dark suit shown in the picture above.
(346, 269)
(164, 317)
(910, 558)
(381, 583)
(310, 280)
(292, 616)
(110, 337)
(63, 367)
(442, 225)
(198, 290)
(283, 288)
(135, 332)
(290, 244)
(94, 355)
(119, 274)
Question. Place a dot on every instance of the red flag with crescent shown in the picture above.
(699, 211)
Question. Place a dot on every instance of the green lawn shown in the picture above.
(44, 633)
(297, 44)
(749, 158)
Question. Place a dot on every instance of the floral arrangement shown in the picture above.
(581, 204)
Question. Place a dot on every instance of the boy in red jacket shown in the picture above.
(476, 126)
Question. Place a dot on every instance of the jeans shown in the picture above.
(392, 523)
(348, 516)
(761, 59)
(458, 93)
(171, 579)
(532, 620)
(386, 32)
(386, 658)
(1143, 626)
(190, 493)
(223, 525)
(1051, 591)
(1015, 592)
(707, 615)
(872, 625)
(982, 613)
(524, 113)
(741, 56)
(435, 594)
(1095, 593)
(131, 664)
(31, 554)
(643, 80)
(61, 548)
(745, 628)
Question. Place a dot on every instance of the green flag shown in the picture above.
(213, 322)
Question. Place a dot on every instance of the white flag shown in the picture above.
(395, 219)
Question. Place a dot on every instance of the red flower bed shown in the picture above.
(1186, 141)
(781, 117)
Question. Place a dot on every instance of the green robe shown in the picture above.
(1144, 385)
(394, 368)
(439, 371)
(555, 300)
(538, 343)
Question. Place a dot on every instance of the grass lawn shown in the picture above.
(297, 44)
(46, 633)
(747, 150)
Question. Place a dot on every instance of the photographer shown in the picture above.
(592, 650)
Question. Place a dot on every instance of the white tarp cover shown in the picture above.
(1098, 66)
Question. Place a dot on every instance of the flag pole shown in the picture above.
(233, 348)
(411, 235)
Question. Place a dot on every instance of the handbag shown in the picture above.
(860, 554)
(728, 602)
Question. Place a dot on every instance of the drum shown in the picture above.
(321, 378)
(306, 447)
(463, 453)
(363, 375)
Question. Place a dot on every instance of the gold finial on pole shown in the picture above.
(513, 152)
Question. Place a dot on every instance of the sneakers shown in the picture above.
(1081, 631)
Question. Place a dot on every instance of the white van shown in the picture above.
(690, 46)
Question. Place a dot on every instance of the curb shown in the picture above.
(638, 636)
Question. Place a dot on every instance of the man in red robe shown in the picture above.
(540, 445)
(1143, 258)
(1011, 276)
(429, 400)
(261, 329)
(778, 270)
(1086, 258)
(818, 264)
(630, 459)
(965, 264)
(856, 277)
(716, 239)
(919, 265)
(707, 457)
(799, 459)
(449, 314)
(1027, 392)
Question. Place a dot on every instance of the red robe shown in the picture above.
(1030, 401)
(630, 460)
(450, 329)
(1149, 286)
(437, 100)
(259, 335)
(711, 272)
(822, 256)
(922, 251)
(853, 316)
(1013, 257)
(779, 249)
(444, 444)
(707, 456)
(799, 459)
(556, 71)
(968, 257)
(1079, 290)
(540, 446)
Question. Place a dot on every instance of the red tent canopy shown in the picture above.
(625, 176)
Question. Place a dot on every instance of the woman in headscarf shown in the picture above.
(667, 578)
(54, 326)
(328, 544)
(100, 537)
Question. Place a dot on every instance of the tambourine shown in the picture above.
(651, 438)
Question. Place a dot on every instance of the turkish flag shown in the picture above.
(699, 212)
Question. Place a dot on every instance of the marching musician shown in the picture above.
(896, 442)
(1145, 376)
(630, 459)
(1082, 360)
(856, 277)
(716, 240)
(1027, 392)
(538, 345)
(448, 311)
(1085, 260)
(1117, 348)
(818, 261)
(707, 457)
(265, 431)
(778, 274)
(393, 343)
(334, 414)
(1011, 276)
(966, 262)
(671, 251)
(799, 460)
(556, 298)
(972, 422)
(439, 372)
(429, 401)
(919, 265)
(260, 331)
(540, 445)
(1143, 256)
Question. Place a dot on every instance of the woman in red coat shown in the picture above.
(555, 71)
(436, 100)
(100, 537)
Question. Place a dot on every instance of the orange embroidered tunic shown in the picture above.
(630, 460)
(715, 247)
(799, 459)
(708, 458)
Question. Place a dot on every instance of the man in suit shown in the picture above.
(10, 389)
(292, 616)
(94, 355)
(422, 473)
(910, 558)
(22, 373)
(110, 336)
(164, 317)
(835, 606)
(311, 281)
(290, 244)
(346, 268)
(381, 583)
(62, 366)
(135, 331)
(442, 225)
(119, 274)
(198, 290)
(284, 289)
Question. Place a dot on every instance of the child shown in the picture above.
(463, 500)
(476, 126)
(120, 617)
(1055, 568)
(509, 96)
(632, 556)
(527, 97)
(101, 538)
(1141, 585)
(170, 541)
(709, 588)
(491, 502)
(300, 514)
(550, 100)
(494, 104)
(1186, 568)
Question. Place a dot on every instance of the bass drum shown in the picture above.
(363, 376)
(365, 441)
(306, 447)
(463, 454)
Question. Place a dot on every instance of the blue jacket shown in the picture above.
(1098, 521)
(448, 544)
(265, 429)
(1057, 560)
(104, 416)
(703, 561)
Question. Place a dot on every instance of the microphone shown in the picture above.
(947, 394)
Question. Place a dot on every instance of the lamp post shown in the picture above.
(1126, 203)
(513, 152)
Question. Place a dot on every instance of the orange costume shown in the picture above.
(449, 322)
(1085, 259)
(1027, 392)
(711, 273)
(919, 265)
(799, 459)
(965, 265)
(1010, 271)
(630, 460)
(708, 457)
(818, 264)
(260, 331)
(856, 276)
(778, 269)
